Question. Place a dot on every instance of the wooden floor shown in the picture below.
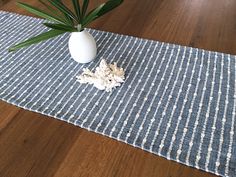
(33, 145)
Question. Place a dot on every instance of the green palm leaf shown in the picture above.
(60, 27)
(62, 8)
(77, 8)
(39, 12)
(84, 8)
(69, 19)
(109, 5)
(92, 15)
(101, 10)
(53, 11)
(37, 39)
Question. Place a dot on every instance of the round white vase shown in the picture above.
(82, 47)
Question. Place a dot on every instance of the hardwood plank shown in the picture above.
(7, 113)
(35, 145)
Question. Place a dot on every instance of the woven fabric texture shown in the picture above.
(177, 102)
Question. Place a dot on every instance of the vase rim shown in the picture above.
(84, 30)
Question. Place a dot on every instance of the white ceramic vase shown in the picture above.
(82, 47)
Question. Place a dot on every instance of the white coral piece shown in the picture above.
(106, 76)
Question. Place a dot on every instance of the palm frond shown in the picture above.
(53, 11)
(60, 27)
(92, 15)
(42, 37)
(39, 12)
(63, 9)
(109, 5)
(84, 8)
(76, 5)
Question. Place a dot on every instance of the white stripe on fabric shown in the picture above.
(149, 90)
(170, 56)
(217, 111)
(156, 92)
(179, 151)
(186, 96)
(233, 122)
(200, 106)
(224, 115)
(162, 96)
(168, 101)
(137, 115)
(130, 97)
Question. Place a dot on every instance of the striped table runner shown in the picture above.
(177, 102)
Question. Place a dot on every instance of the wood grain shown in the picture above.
(33, 145)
